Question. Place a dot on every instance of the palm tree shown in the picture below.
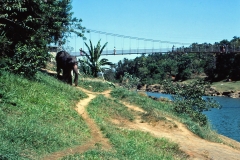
(93, 58)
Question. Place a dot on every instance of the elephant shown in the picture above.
(67, 63)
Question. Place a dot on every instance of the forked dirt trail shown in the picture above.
(97, 137)
(189, 143)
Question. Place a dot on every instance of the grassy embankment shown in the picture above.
(226, 86)
(38, 118)
(222, 86)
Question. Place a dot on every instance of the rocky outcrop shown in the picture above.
(153, 88)
(235, 94)
(213, 92)
(210, 92)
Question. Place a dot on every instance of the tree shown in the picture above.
(188, 99)
(184, 64)
(29, 26)
(93, 57)
(170, 66)
(129, 81)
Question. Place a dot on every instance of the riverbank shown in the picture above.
(136, 127)
(215, 90)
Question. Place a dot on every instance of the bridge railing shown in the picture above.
(207, 49)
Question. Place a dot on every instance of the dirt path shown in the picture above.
(97, 137)
(191, 144)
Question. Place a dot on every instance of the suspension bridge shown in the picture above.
(128, 45)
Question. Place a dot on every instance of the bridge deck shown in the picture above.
(140, 53)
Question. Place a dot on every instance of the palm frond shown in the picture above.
(94, 55)
(104, 62)
(103, 47)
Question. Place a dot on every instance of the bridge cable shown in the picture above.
(137, 44)
(112, 34)
(130, 45)
(114, 49)
(152, 46)
(107, 46)
(160, 46)
(122, 44)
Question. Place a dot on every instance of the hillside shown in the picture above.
(105, 123)
(193, 146)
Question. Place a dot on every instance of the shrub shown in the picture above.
(188, 99)
(130, 81)
(27, 60)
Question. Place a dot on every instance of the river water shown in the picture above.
(225, 121)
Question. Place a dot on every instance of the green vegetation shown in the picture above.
(38, 116)
(179, 65)
(129, 81)
(188, 99)
(92, 64)
(161, 109)
(37, 113)
(28, 27)
(127, 144)
(94, 85)
(226, 86)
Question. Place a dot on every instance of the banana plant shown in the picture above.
(93, 57)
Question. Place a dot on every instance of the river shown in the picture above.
(225, 121)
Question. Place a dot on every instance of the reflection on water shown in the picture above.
(225, 121)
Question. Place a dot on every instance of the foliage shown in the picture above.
(188, 99)
(37, 116)
(27, 60)
(162, 109)
(85, 68)
(4, 47)
(129, 81)
(4, 43)
(93, 60)
(154, 68)
(26, 24)
(127, 144)
(109, 75)
(182, 65)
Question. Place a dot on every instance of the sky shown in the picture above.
(184, 21)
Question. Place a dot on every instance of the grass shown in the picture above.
(94, 85)
(159, 109)
(37, 117)
(222, 86)
(226, 86)
(127, 144)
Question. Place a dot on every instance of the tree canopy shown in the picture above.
(28, 26)
(156, 67)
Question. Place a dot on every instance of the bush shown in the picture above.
(27, 60)
(188, 99)
(130, 81)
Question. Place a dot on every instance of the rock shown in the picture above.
(210, 92)
(142, 87)
(234, 95)
(226, 93)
